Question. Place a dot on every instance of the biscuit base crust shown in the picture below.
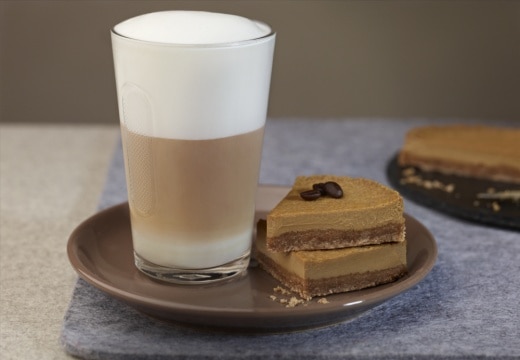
(334, 239)
(460, 168)
(308, 288)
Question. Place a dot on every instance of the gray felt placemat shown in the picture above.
(466, 308)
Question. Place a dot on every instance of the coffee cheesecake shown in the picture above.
(465, 150)
(367, 213)
(322, 272)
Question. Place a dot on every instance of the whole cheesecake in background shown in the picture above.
(474, 151)
(368, 213)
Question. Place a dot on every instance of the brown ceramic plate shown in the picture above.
(100, 250)
(463, 201)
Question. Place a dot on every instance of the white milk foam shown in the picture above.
(192, 75)
(191, 27)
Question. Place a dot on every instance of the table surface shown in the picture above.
(53, 177)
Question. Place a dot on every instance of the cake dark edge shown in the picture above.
(457, 167)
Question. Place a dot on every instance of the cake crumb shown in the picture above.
(281, 290)
(323, 301)
(290, 300)
(293, 301)
(513, 195)
(408, 171)
(410, 177)
(428, 184)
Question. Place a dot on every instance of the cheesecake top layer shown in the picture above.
(319, 264)
(467, 140)
(365, 204)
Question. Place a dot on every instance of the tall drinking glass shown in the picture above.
(192, 92)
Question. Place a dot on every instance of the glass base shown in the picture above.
(193, 276)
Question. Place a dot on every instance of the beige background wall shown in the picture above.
(333, 58)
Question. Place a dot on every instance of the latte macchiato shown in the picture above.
(192, 89)
(192, 202)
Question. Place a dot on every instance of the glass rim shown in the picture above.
(238, 43)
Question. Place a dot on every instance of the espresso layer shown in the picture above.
(308, 288)
(319, 239)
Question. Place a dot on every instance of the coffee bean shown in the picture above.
(333, 189)
(310, 194)
(319, 186)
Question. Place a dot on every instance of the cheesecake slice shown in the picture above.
(324, 272)
(472, 151)
(368, 213)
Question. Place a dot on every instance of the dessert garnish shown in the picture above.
(310, 195)
(329, 188)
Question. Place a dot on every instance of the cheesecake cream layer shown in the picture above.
(368, 213)
(472, 151)
(322, 272)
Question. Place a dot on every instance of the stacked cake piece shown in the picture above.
(318, 242)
